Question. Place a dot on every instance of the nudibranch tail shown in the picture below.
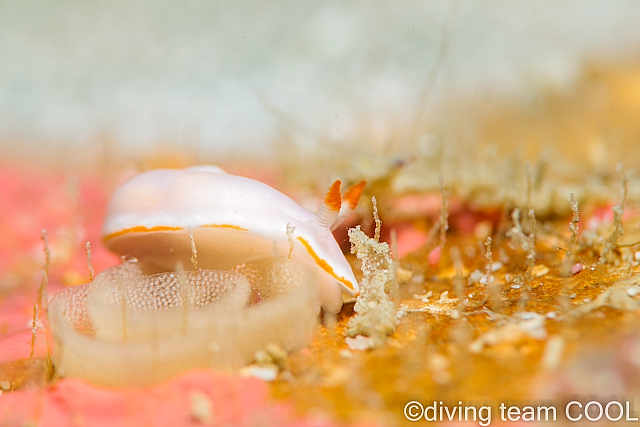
(330, 206)
(351, 197)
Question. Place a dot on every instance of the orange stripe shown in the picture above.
(140, 229)
(353, 193)
(333, 199)
(324, 265)
(235, 227)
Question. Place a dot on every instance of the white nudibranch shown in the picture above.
(262, 268)
(233, 220)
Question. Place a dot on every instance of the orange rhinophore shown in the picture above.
(351, 196)
(330, 206)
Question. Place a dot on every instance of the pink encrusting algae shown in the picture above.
(195, 398)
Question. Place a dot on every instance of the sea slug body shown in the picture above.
(233, 220)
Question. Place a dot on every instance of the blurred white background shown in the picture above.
(216, 75)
